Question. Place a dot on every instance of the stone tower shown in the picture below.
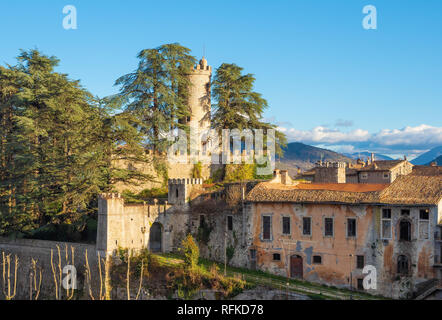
(330, 172)
(199, 98)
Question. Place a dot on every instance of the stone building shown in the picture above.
(327, 233)
(321, 232)
(372, 171)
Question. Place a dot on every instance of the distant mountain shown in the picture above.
(299, 155)
(438, 161)
(365, 154)
(428, 157)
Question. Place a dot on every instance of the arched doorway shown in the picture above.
(155, 237)
(296, 267)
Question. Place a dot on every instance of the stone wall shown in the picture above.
(330, 173)
(40, 250)
(129, 225)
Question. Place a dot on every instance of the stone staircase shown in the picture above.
(426, 288)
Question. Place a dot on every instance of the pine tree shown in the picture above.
(156, 93)
(57, 147)
(237, 105)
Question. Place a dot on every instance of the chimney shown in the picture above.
(284, 177)
(372, 157)
(405, 157)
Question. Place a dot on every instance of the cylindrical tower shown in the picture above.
(199, 95)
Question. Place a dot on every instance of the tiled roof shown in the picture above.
(427, 170)
(409, 189)
(381, 165)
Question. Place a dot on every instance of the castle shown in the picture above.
(386, 214)
(322, 232)
(383, 214)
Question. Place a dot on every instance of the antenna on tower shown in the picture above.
(204, 49)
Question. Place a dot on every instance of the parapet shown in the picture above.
(328, 164)
(110, 195)
(186, 181)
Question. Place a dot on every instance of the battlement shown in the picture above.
(329, 164)
(185, 181)
(201, 69)
(110, 195)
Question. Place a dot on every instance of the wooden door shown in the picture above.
(296, 267)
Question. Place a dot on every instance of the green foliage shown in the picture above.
(153, 193)
(218, 175)
(237, 105)
(230, 251)
(144, 195)
(239, 172)
(156, 93)
(204, 231)
(191, 252)
(262, 163)
(56, 147)
(197, 170)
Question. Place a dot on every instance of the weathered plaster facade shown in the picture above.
(339, 252)
(263, 226)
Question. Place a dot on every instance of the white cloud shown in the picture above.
(410, 136)
(408, 140)
(322, 134)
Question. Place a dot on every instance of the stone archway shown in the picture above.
(156, 237)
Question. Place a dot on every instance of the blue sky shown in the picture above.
(328, 81)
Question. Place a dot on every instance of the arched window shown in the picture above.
(405, 230)
(402, 265)
(176, 191)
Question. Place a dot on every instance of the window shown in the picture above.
(424, 224)
(402, 265)
(202, 220)
(405, 212)
(364, 176)
(386, 176)
(351, 227)
(360, 284)
(276, 257)
(405, 230)
(176, 192)
(285, 225)
(328, 227)
(386, 223)
(317, 259)
(252, 254)
(424, 214)
(360, 262)
(266, 227)
(307, 226)
(229, 223)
